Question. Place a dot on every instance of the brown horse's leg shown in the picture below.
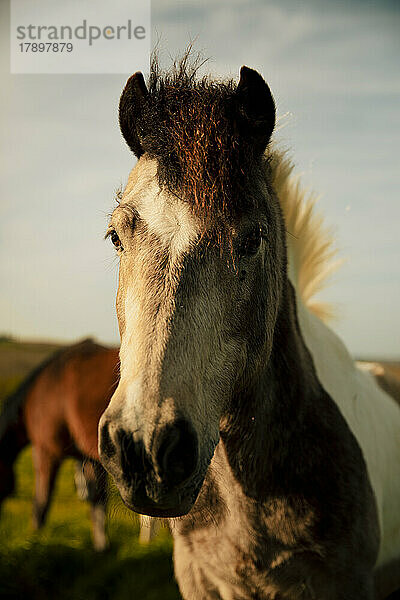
(46, 467)
(96, 482)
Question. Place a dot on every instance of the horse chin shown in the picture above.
(175, 505)
(158, 511)
(153, 497)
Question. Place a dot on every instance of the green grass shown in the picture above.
(59, 563)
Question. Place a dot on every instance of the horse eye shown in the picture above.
(251, 242)
(115, 240)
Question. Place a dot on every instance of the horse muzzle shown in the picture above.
(161, 482)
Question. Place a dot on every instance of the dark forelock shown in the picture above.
(189, 125)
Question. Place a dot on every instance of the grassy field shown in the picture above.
(59, 562)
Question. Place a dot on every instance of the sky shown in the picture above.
(334, 69)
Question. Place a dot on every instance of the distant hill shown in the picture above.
(392, 367)
(18, 358)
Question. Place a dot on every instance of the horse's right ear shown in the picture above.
(131, 105)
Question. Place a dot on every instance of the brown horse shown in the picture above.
(57, 409)
(238, 409)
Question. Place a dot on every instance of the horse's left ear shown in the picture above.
(256, 108)
(131, 105)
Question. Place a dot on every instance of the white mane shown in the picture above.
(372, 415)
(311, 246)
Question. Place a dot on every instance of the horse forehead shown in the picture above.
(166, 216)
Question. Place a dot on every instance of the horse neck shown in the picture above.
(266, 423)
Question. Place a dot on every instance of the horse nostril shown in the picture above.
(177, 452)
(106, 446)
(129, 454)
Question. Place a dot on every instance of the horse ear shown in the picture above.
(256, 108)
(130, 107)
